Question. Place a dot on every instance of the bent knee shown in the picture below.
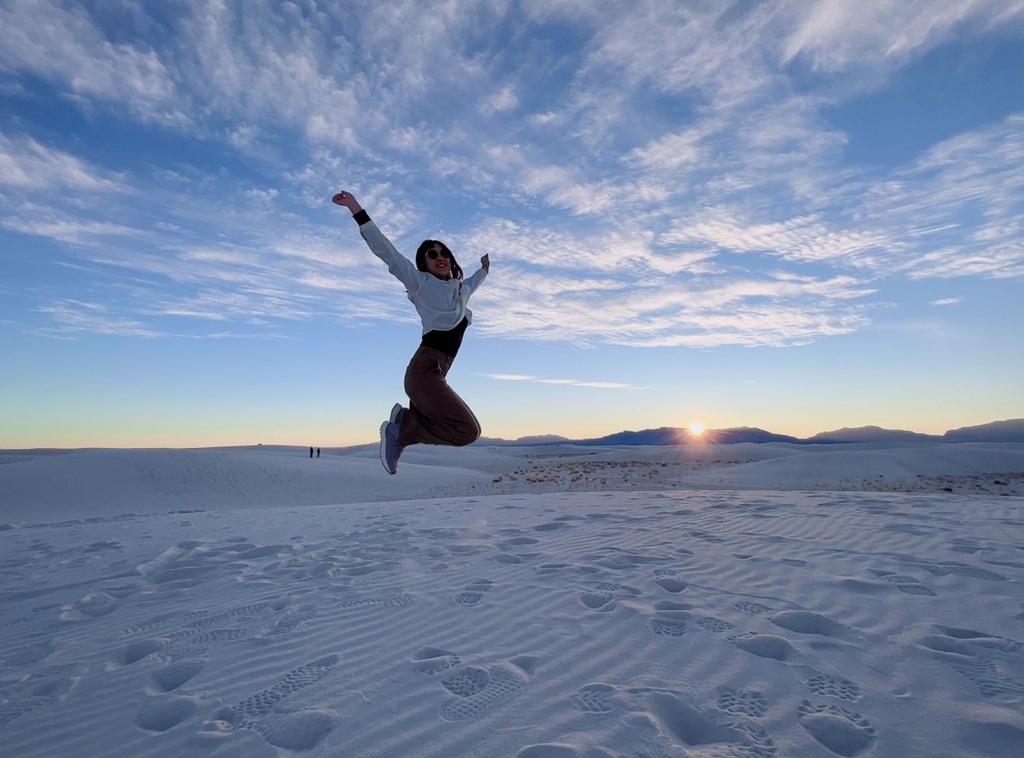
(468, 438)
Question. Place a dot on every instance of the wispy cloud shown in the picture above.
(959, 209)
(75, 316)
(566, 382)
(502, 101)
(667, 179)
(26, 164)
(837, 35)
(64, 44)
(780, 309)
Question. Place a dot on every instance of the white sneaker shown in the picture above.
(389, 449)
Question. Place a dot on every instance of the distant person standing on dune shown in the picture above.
(436, 415)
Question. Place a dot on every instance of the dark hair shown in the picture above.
(421, 257)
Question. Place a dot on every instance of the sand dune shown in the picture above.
(59, 484)
(746, 601)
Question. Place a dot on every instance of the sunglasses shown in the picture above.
(432, 254)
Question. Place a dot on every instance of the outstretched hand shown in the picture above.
(485, 263)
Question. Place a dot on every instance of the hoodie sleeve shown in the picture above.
(474, 281)
(401, 267)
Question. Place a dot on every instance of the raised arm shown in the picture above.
(473, 282)
(401, 267)
(347, 200)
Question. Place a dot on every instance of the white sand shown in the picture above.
(566, 602)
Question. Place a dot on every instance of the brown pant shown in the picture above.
(436, 415)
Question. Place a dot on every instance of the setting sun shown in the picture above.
(696, 428)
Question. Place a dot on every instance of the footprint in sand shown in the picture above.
(551, 526)
(932, 568)
(596, 600)
(842, 731)
(28, 654)
(712, 624)
(980, 573)
(700, 534)
(982, 639)
(170, 677)
(672, 584)
(467, 681)
(696, 729)
(89, 606)
(507, 548)
(986, 674)
(292, 618)
(907, 584)
(166, 714)
(654, 718)
(614, 559)
(198, 645)
(475, 689)
(247, 712)
(991, 735)
(517, 542)
(195, 628)
(552, 568)
(746, 702)
(758, 742)
(434, 660)
(34, 691)
(916, 589)
(765, 646)
(473, 592)
(164, 620)
(384, 599)
(745, 606)
(671, 619)
(376, 568)
(808, 622)
(121, 591)
(604, 596)
(596, 698)
(136, 651)
(667, 627)
(831, 685)
(298, 730)
(964, 650)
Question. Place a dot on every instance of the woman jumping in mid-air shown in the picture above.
(436, 415)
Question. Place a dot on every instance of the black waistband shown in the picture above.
(448, 342)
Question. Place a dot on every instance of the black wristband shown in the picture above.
(362, 217)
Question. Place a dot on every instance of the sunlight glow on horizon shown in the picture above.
(696, 428)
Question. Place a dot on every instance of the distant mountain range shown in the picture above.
(1011, 430)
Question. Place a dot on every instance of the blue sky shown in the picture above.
(797, 215)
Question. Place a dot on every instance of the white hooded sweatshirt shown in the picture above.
(442, 304)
